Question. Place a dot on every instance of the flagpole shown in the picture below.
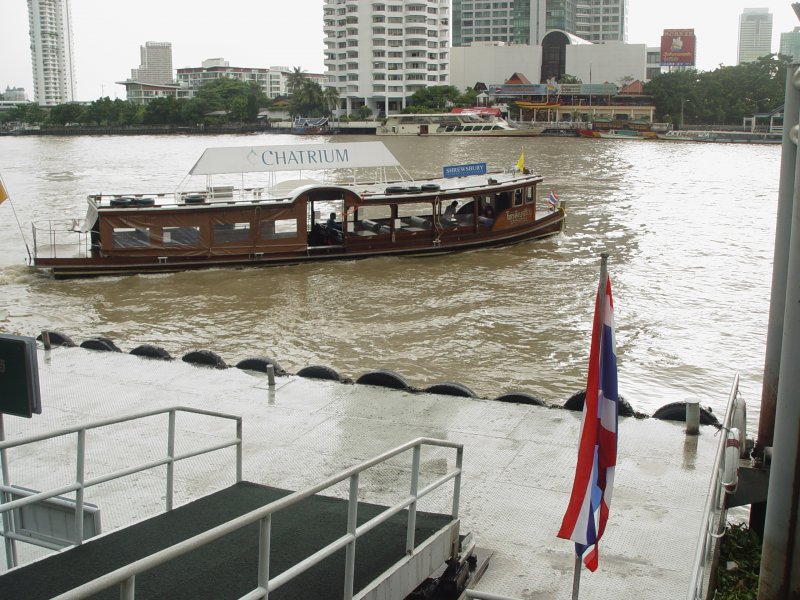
(576, 577)
(601, 288)
(4, 195)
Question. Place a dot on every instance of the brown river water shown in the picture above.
(689, 228)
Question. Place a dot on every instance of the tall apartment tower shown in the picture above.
(601, 21)
(379, 52)
(790, 43)
(156, 65)
(510, 22)
(755, 34)
(527, 21)
(52, 55)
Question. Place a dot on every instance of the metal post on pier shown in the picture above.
(779, 577)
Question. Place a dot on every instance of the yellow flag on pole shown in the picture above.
(3, 192)
(521, 161)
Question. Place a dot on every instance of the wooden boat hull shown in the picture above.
(66, 268)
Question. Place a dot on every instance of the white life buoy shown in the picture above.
(739, 422)
(730, 470)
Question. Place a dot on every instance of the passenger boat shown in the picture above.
(622, 134)
(337, 213)
(454, 124)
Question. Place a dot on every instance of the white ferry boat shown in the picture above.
(464, 123)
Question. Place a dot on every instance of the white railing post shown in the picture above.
(171, 457)
(239, 450)
(264, 540)
(79, 479)
(8, 517)
(350, 550)
(412, 508)
(127, 589)
(457, 481)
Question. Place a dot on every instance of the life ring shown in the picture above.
(730, 471)
(395, 189)
(143, 201)
(194, 199)
(121, 201)
(430, 187)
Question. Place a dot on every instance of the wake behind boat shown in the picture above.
(338, 214)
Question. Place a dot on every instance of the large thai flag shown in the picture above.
(587, 513)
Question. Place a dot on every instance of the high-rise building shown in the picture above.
(601, 21)
(156, 65)
(378, 54)
(755, 34)
(790, 43)
(510, 22)
(50, 27)
(527, 21)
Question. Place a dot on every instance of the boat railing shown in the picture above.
(10, 508)
(60, 238)
(124, 577)
(714, 514)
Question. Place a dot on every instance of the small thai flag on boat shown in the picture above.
(553, 199)
(587, 512)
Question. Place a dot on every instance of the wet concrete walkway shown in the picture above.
(518, 463)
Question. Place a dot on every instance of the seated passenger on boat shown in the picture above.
(450, 211)
(331, 222)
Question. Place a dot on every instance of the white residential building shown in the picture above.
(50, 26)
(156, 65)
(380, 52)
(755, 34)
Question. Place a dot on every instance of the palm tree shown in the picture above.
(331, 99)
(295, 80)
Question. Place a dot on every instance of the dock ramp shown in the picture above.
(247, 540)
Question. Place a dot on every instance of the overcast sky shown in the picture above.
(108, 34)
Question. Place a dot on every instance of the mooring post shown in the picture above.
(692, 417)
(271, 375)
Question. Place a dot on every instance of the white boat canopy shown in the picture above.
(252, 159)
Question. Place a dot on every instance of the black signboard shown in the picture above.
(19, 376)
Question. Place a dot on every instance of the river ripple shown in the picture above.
(689, 228)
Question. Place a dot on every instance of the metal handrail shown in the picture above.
(81, 484)
(125, 576)
(714, 502)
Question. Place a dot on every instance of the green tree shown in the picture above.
(435, 98)
(307, 100)
(567, 78)
(61, 114)
(331, 99)
(724, 96)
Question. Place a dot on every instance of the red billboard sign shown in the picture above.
(678, 48)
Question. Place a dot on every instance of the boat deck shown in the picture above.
(518, 463)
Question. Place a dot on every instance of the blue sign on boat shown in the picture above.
(464, 170)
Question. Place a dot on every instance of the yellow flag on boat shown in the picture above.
(521, 161)
(3, 192)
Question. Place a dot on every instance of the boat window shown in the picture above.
(181, 236)
(131, 237)
(278, 229)
(231, 232)
(530, 197)
(517, 197)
